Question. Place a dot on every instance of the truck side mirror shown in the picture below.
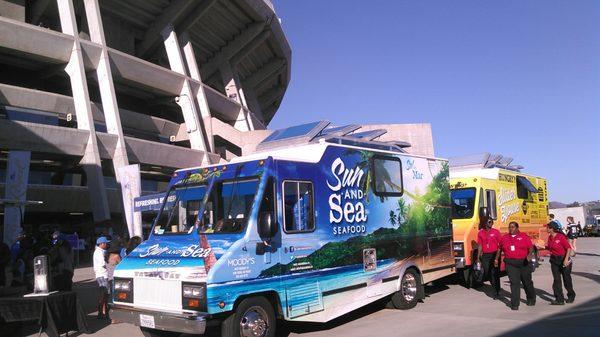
(267, 228)
(484, 213)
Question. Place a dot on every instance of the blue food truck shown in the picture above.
(319, 222)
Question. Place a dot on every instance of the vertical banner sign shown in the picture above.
(131, 187)
(17, 177)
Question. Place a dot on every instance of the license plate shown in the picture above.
(147, 321)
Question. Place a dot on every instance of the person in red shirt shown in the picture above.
(488, 240)
(560, 263)
(518, 251)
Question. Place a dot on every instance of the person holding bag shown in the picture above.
(561, 264)
(518, 251)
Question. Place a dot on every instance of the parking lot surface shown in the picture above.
(448, 310)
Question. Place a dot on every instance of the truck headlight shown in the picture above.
(193, 296)
(123, 284)
(123, 290)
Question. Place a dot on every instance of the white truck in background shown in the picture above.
(583, 215)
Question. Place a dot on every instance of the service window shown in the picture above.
(298, 206)
(490, 196)
(387, 176)
(524, 188)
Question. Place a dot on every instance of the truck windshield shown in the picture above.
(227, 208)
(463, 202)
(180, 211)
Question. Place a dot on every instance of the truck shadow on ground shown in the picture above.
(505, 291)
(577, 320)
(286, 328)
(587, 254)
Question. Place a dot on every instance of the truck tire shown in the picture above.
(253, 317)
(147, 332)
(408, 295)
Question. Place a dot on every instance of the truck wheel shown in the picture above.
(147, 332)
(253, 317)
(407, 297)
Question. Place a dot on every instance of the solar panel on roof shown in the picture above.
(339, 130)
(294, 135)
(478, 159)
(361, 142)
(369, 135)
(399, 143)
(484, 160)
(315, 132)
(505, 161)
(296, 131)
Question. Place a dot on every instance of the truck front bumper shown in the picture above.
(177, 322)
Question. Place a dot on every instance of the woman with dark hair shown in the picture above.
(132, 244)
(560, 263)
(573, 232)
(518, 251)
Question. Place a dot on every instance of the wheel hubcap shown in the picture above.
(254, 323)
(409, 287)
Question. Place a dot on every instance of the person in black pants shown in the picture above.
(561, 264)
(518, 251)
(61, 262)
(488, 239)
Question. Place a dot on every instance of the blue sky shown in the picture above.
(520, 78)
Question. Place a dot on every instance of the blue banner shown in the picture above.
(150, 202)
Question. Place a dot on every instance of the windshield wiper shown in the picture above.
(172, 210)
(202, 206)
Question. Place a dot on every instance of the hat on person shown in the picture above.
(101, 240)
(554, 225)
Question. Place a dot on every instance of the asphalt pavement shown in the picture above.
(448, 310)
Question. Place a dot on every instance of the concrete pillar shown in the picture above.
(232, 83)
(110, 109)
(186, 99)
(233, 90)
(17, 178)
(194, 72)
(253, 104)
(90, 162)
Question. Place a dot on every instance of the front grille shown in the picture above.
(157, 293)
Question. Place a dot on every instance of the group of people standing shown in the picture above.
(16, 261)
(106, 256)
(518, 251)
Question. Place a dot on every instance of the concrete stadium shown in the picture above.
(90, 87)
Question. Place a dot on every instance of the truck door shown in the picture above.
(297, 211)
(269, 257)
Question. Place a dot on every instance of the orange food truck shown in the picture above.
(489, 183)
